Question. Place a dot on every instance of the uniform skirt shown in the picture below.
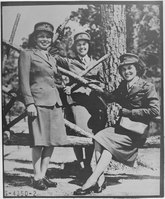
(48, 128)
(122, 144)
(87, 112)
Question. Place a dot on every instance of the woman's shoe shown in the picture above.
(49, 183)
(99, 189)
(85, 191)
(39, 184)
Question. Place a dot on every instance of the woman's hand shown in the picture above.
(125, 112)
(67, 90)
(31, 110)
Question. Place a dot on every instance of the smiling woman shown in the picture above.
(138, 101)
(43, 40)
(42, 37)
(41, 97)
(38, 76)
(85, 108)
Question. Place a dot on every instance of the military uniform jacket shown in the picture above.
(142, 100)
(39, 76)
(95, 74)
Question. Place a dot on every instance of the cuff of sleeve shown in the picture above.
(29, 101)
(28, 104)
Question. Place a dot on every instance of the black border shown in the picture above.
(160, 3)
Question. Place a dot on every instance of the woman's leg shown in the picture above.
(79, 155)
(45, 158)
(98, 151)
(104, 161)
(36, 160)
(88, 156)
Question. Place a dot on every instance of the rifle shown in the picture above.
(58, 36)
(59, 31)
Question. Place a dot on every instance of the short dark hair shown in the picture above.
(132, 59)
(139, 67)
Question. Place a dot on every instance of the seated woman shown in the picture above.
(85, 109)
(139, 102)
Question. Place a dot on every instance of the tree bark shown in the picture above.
(114, 25)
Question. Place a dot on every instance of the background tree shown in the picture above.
(114, 29)
(143, 35)
(142, 31)
(114, 26)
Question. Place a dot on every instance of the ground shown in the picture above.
(142, 180)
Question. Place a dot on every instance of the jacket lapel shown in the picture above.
(39, 54)
(136, 87)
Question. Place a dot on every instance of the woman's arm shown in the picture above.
(24, 77)
(68, 64)
(152, 102)
(151, 107)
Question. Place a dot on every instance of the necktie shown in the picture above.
(47, 55)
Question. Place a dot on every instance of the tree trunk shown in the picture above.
(114, 25)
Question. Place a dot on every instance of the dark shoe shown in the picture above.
(85, 191)
(99, 189)
(39, 184)
(49, 183)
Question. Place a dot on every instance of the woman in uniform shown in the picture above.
(138, 101)
(87, 110)
(38, 75)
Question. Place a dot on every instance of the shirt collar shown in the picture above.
(132, 82)
(85, 59)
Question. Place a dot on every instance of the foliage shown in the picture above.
(143, 33)
(10, 70)
(91, 17)
(143, 38)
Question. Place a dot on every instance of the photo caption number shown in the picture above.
(20, 193)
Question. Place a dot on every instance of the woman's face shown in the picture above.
(43, 40)
(82, 47)
(128, 72)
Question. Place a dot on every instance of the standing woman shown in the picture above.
(139, 102)
(89, 113)
(37, 73)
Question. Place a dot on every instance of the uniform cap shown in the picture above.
(44, 26)
(82, 36)
(128, 58)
